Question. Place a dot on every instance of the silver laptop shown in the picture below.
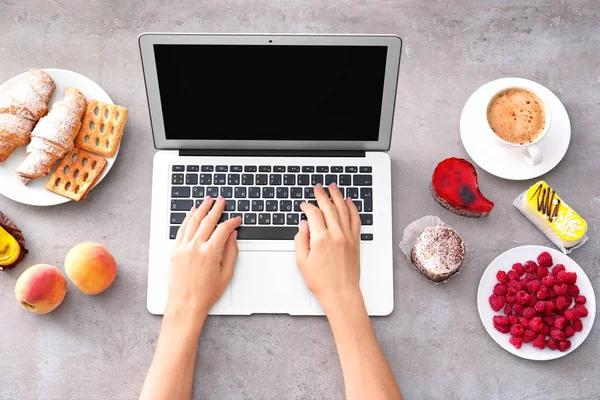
(261, 119)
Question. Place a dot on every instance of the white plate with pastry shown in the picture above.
(26, 97)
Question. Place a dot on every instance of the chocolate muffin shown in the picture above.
(438, 252)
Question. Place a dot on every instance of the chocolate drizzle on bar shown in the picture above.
(545, 201)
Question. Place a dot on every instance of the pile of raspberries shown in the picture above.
(536, 299)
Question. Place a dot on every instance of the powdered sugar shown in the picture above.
(42, 83)
(15, 129)
(60, 126)
(26, 102)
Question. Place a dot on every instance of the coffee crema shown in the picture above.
(517, 116)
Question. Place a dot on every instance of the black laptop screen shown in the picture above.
(269, 92)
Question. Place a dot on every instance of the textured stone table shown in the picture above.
(100, 347)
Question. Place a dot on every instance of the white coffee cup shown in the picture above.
(530, 151)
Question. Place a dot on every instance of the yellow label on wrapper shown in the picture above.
(9, 248)
(543, 200)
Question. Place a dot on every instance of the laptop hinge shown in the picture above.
(271, 153)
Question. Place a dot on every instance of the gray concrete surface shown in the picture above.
(100, 347)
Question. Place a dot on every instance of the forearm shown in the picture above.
(172, 370)
(366, 371)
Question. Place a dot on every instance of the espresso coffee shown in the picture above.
(517, 116)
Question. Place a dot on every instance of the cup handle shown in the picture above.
(533, 155)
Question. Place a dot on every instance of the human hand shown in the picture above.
(328, 249)
(203, 259)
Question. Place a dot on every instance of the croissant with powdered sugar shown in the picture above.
(53, 136)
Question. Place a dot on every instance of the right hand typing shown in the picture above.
(328, 249)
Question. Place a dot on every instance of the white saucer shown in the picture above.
(504, 262)
(35, 192)
(506, 161)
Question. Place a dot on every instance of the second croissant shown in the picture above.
(53, 136)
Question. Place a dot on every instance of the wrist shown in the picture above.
(185, 318)
(340, 305)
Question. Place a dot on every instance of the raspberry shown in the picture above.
(569, 298)
(523, 284)
(511, 298)
(549, 281)
(524, 321)
(563, 277)
(561, 289)
(518, 309)
(540, 306)
(531, 267)
(551, 293)
(516, 341)
(531, 301)
(500, 328)
(539, 342)
(557, 269)
(581, 310)
(529, 335)
(522, 297)
(529, 312)
(513, 319)
(571, 314)
(536, 324)
(518, 268)
(569, 331)
(545, 260)
(500, 320)
(573, 290)
(542, 272)
(557, 334)
(567, 277)
(578, 325)
(501, 276)
(533, 286)
(559, 322)
(580, 299)
(531, 277)
(543, 293)
(549, 319)
(564, 345)
(545, 330)
(497, 302)
(517, 330)
(513, 275)
(549, 310)
(508, 309)
(500, 289)
(552, 344)
(514, 285)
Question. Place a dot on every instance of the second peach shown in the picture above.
(91, 267)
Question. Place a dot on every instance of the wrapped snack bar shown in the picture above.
(12, 244)
(551, 215)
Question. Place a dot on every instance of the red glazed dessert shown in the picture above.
(454, 185)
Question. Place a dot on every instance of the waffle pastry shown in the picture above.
(76, 174)
(102, 128)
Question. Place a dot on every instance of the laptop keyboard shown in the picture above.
(267, 197)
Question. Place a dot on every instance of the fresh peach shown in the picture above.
(41, 288)
(91, 267)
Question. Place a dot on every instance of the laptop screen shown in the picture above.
(268, 92)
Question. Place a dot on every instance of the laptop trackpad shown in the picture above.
(269, 280)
